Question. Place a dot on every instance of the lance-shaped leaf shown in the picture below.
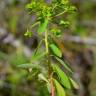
(28, 65)
(42, 77)
(48, 87)
(74, 84)
(63, 77)
(64, 64)
(56, 50)
(59, 89)
(43, 26)
(38, 56)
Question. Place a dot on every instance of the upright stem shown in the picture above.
(47, 53)
(46, 41)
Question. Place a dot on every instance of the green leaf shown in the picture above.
(63, 77)
(28, 66)
(38, 56)
(42, 77)
(43, 26)
(64, 64)
(38, 53)
(56, 50)
(74, 84)
(48, 87)
(60, 90)
(37, 50)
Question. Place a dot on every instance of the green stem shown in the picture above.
(46, 41)
(59, 14)
(47, 53)
(36, 23)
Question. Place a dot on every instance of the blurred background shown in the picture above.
(79, 49)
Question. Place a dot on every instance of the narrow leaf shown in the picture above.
(59, 88)
(28, 66)
(43, 26)
(56, 50)
(38, 56)
(42, 77)
(49, 87)
(74, 84)
(64, 64)
(63, 77)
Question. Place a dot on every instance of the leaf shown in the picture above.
(43, 26)
(38, 56)
(33, 74)
(74, 84)
(56, 50)
(42, 77)
(48, 87)
(37, 50)
(63, 77)
(65, 65)
(28, 66)
(60, 90)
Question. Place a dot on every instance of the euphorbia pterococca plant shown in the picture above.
(51, 19)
